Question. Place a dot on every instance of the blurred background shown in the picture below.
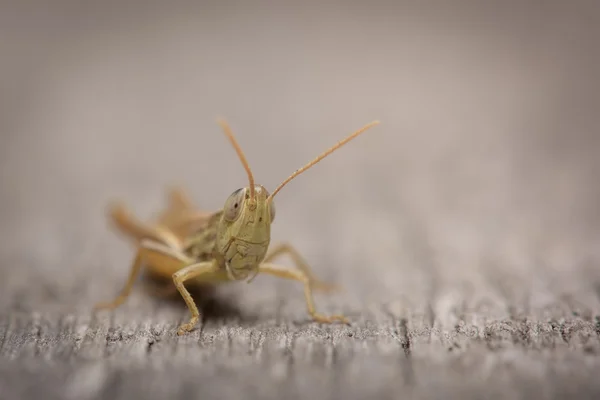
(484, 168)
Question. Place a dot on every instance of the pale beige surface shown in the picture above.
(465, 228)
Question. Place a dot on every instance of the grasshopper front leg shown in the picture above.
(301, 276)
(207, 268)
(302, 265)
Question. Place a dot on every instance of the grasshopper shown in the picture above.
(231, 244)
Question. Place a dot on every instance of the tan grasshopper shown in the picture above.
(187, 245)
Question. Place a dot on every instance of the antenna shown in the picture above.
(322, 156)
(240, 153)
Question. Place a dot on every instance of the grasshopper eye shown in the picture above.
(234, 204)
(272, 210)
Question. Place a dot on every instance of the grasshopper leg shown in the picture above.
(181, 217)
(179, 200)
(180, 209)
(161, 290)
(184, 274)
(136, 230)
(133, 274)
(302, 265)
(171, 226)
(158, 254)
(301, 276)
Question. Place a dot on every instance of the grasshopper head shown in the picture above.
(244, 230)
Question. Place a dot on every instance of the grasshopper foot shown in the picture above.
(325, 287)
(185, 328)
(109, 305)
(324, 319)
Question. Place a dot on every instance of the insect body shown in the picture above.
(231, 244)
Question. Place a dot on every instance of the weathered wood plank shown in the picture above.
(266, 361)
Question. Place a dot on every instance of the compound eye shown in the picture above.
(234, 204)
(272, 210)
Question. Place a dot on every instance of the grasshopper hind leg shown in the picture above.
(171, 226)
(139, 233)
(135, 230)
(179, 200)
(158, 257)
(182, 217)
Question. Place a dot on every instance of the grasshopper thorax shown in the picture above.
(244, 230)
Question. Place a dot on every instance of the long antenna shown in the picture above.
(240, 153)
(322, 156)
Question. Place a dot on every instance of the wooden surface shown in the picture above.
(465, 229)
